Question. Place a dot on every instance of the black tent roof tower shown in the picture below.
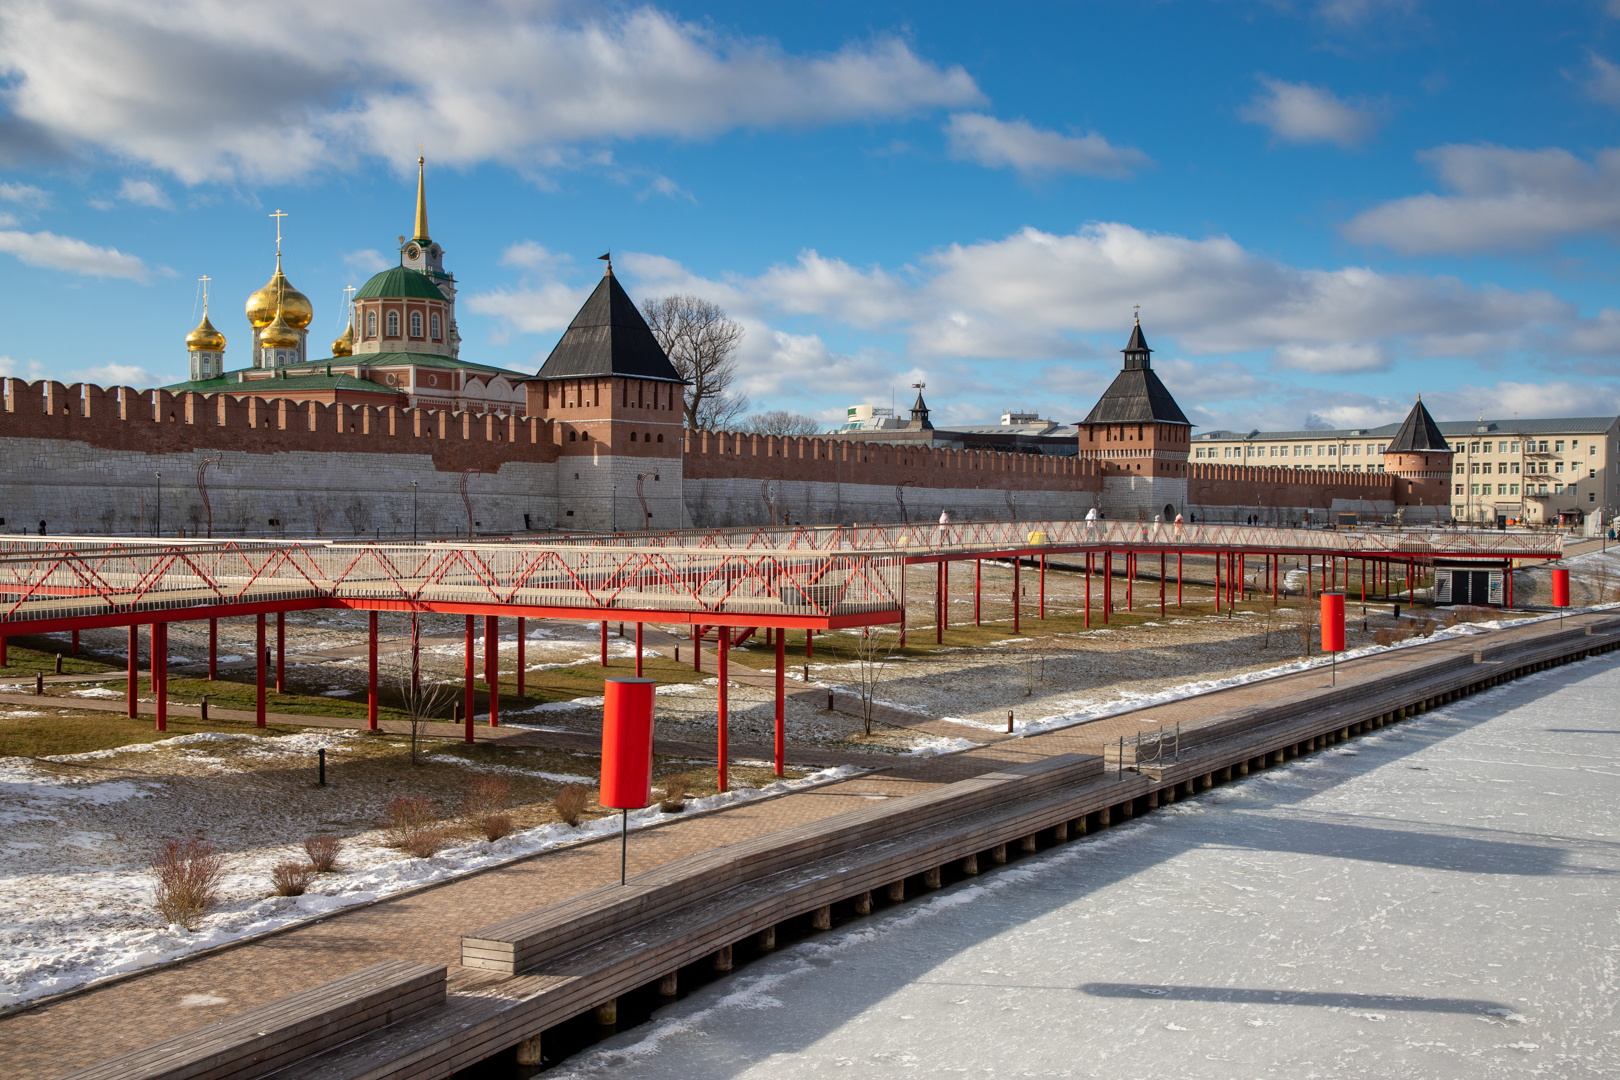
(609, 337)
(1419, 434)
(1136, 395)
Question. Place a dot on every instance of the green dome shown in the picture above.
(399, 282)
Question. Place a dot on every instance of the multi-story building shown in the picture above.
(1530, 471)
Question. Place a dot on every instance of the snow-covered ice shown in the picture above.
(1437, 899)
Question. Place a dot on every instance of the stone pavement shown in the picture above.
(426, 926)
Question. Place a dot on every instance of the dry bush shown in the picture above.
(323, 853)
(189, 873)
(1427, 628)
(405, 817)
(425, 843)
(486, 795)
(675, 788)
(292, 878)
(571, 802)
(496, 826)
(1471, 614)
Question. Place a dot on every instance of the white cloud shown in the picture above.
(33, 370)
(67, 253)
(115, 375)
(368, 261)
(144, 193)
(1018, 144)
(1336, 358)
(1298, 113)
(25, 195)
(212, 90)
(1603, 83)
(532, 256)
(1504, 200)
(7, 220)
(540, 309)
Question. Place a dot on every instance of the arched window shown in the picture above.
(573, 436)
(632, 436)
(660, 438)
(371, 324)
(436, 326)
(416, 324)
(393, 324)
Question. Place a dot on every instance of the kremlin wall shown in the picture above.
(395, 435)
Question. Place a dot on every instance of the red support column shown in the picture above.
(75, 643)
(604, 643)
(522, 641)
(1217, 582)
(5, 659)
(262, 673)
(1411, 585)
(416, 652)
(1108, 585)
(1088, 590)
(132, 685)
(1508, 573)
(945, 595)
(281, 652)
(213, 648)
(1276, 572)
(903, 576)
(160, 673)
(469, 697)
(1161, 584)
(492, 666)
(978, 571)
(724, 715)
(638, 650)
(1016, 562)
(939, 602)
(809, 644)
(697, 647)
(1178, 579)
(1042, 612)
(781, 694)
(371, 674)
(1130, 581)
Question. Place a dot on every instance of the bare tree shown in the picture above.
(781, 422)
(423, 701)
(873, 651)
(700, 338)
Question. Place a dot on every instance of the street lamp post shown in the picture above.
(413, 511)
(158, 526)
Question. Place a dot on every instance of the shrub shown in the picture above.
(496, 826)
(675, 787)
(292, 878)
(571, 802)
(323, 853)
(405, 816)
(486, 795)
(425, 843)
(189, 873)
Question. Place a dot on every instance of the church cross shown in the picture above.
(278, 215)
(205, 279)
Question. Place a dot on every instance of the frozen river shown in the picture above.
(1437, 900)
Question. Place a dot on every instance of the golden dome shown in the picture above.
(295, 306)
(278, 335)
(344, 345)
(205, 337)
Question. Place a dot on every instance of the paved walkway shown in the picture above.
(426, 926)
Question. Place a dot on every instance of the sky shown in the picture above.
(1323, 208)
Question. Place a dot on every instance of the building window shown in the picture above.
(371, 324)
(1558, 447)
(573, 436)
(1501, 489)
(436, 326)
(1515, 446)
(1591, 496)
(632, 436)
(393, 324)
(1485, 468)
(1473, 448)
(1459, 489)
(660, 439)
(1515, 467)
(1513, 489)
(416, 324)
(1558, 467)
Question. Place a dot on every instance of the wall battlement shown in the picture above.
(157, 422)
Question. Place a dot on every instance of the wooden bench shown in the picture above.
(272, 1036)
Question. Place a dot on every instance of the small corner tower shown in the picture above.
(1420, 459)
(1139, 437)
(616, 406)
(206, 345)
(919, 412)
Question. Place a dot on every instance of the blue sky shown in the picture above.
(1323, 208)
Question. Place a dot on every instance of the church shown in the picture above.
(401, 346)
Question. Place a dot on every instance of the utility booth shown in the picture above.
(1469, 583)
(1347, 521)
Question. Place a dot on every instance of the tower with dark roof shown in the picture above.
(1420, 459)
(1139, 436)
(617, 408)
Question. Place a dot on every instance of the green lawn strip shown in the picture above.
(25, 663)
(43, 736)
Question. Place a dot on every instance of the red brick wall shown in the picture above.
(1251, 485)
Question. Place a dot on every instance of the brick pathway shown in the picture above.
(51, 1039)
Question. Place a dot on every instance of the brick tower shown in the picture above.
(1420, 459)
(1138, 434)
(617, 405)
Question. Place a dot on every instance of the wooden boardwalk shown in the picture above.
(427, 926)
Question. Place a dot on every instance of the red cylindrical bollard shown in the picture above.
(1560, 582)
(1333, 622)
(627, 740)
